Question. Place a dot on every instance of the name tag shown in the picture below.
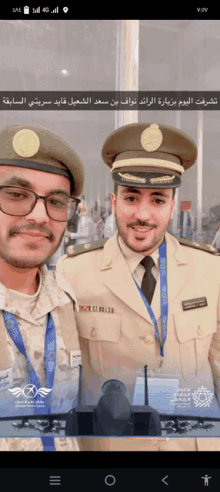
(194, 303)
(75, 358)
(5, 379)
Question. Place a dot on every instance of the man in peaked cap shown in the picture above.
(40, 179)
(146, 297)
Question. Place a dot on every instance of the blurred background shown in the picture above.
(111, 55)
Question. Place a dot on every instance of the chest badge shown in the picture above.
(194, 303)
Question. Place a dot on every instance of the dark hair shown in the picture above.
(116, 189)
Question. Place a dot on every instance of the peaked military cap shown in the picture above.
(34, 147)
(148, 155)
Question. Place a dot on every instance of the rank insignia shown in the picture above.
(204, 247)
(70, 249)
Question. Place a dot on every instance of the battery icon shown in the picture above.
(26, 10)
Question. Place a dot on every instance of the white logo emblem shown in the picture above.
(30, 391)
(202, 397)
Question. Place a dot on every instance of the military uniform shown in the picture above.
(54, 295)
(114, 344)
(57, 297)
(117, 335)
(32, 147)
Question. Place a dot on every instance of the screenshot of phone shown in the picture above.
(66, 85)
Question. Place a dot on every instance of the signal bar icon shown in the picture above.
(36, 11)
(55, 11)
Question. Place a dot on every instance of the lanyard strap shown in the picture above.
(50, 365)
(163, 299)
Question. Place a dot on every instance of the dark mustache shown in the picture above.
(30, 228)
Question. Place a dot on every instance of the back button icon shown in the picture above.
(164, 480)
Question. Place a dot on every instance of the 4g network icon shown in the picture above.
(26, 10)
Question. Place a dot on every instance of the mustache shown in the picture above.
(16, 230)
(141, 223)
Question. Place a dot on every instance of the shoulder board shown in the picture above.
(192, 244)
(84, 248)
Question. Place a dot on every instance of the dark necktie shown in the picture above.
(148, 282)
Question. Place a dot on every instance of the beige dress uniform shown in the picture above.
(56, 296)
(114, 344)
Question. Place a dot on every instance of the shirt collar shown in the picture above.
(133, 258)
(50, 296)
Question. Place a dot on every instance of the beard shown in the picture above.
(142, 248)
(24, 262)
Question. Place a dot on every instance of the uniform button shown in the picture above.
(149, 339)
(200, 331)
(107, 261)
(93, 332)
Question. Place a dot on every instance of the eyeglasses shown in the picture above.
(20, 202)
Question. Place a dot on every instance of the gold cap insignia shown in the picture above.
(26, 143)
(131, 178)
(107, 261)
(87, 246)
(151, 138)
(162, 179)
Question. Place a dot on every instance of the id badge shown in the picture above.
(5, 379)
(75, 358)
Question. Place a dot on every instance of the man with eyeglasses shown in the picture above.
(40, 179)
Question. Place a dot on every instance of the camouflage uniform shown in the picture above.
(31, 314)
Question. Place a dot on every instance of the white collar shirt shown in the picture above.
(133, 260)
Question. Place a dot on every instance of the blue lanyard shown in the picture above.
(50, 364)
(163, 298)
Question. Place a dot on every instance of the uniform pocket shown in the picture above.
(195, 329)
(99, 337)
